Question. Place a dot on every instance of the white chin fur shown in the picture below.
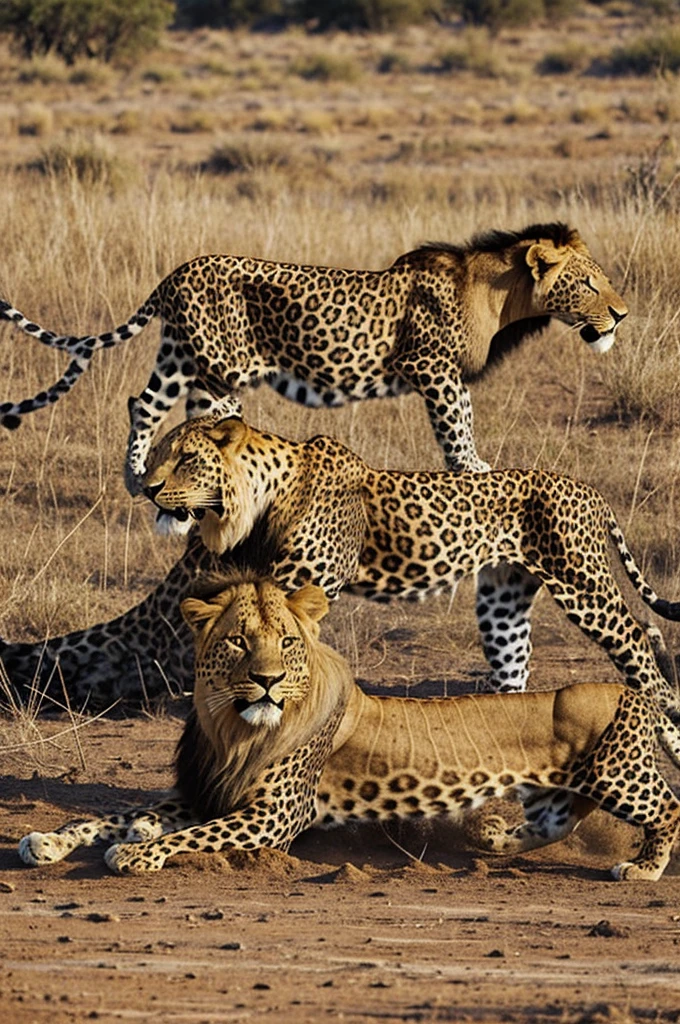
(169, 526)
(262, 714)
(603, 344)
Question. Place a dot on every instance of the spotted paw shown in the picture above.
(131, 859)
(143, 829)
(493, 833)
(629, 871)
(43, 848)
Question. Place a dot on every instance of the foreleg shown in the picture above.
(135, 825)
(448, 404)
(279, 806)
(655, 852)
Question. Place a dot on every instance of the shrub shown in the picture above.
(392, 62)
(186, 122)
(35, 119)
(373, 15)
(564, 61)
(93, 75)
(162, 74)
(247, 155)
(498, 14)
(472, 53)
(88, 159)
(647, 55)
(228, 13)
(325, 67)
(42, 71)
(108, 29)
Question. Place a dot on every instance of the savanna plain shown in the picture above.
(343, 150)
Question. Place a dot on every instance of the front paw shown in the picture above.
(629, 871)
(143, 829)
(133, 858)
(43, 848)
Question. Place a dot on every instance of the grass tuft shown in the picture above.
(255, 153)
(88, 159)
(326, 67)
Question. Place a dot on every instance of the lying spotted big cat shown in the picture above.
(281, 738)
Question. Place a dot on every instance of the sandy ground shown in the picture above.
(357, 925)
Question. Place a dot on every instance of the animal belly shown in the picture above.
(315, 394)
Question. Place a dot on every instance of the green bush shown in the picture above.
(647, 55)
(228, 13)
(108, 29)
(373, 15)
(498, 14)
(325, 67)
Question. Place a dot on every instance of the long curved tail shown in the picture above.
(80, 349)
(666, 609)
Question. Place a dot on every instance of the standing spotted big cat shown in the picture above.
(434, 320)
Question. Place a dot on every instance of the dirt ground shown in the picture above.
(362, 924)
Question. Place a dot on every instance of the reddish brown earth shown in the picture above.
(356, 925)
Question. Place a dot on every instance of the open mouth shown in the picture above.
(181, 514)
(590, 334)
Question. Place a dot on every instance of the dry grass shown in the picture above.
(348, 171)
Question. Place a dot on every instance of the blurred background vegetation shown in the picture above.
(119, 30)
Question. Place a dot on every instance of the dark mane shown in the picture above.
(250, 561)
(507, 339)
(496, 241)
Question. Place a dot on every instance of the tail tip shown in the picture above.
(10, 421)
(667, 609)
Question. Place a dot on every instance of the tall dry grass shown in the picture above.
(81, 253)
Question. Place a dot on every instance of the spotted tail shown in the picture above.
(666, 609)
(80, 349)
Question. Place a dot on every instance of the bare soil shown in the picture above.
(356, 924)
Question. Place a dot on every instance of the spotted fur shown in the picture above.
(332, 754)
(337, 522)
(315, 512)
(325, 336)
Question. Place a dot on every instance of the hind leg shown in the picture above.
(142, 656)
(604, 617)
(505, 595)
(654, 855)
(550, 815)
(169, 381)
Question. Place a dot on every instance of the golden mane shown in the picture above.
(214, 774)
(489, 345)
